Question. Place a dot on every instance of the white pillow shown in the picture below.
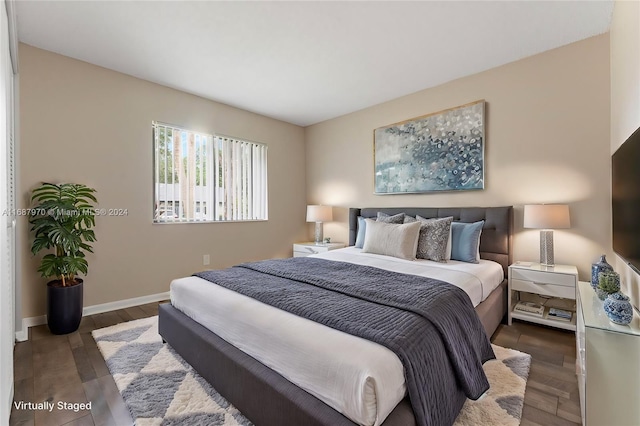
(389, 239)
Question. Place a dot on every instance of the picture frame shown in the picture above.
(442, 151)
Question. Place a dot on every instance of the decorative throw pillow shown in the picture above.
(390, 239)
(362, 228)
(434, 236)
(382, 217)
(465, 241)
(410, 219)
(396, 218)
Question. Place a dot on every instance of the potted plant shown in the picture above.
(61, 218)
(608, 283)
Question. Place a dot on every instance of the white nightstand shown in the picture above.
(307, 249)
(557, 282)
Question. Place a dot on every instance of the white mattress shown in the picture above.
(361, 379)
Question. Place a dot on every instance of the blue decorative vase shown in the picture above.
(600, 266)
(618, 309)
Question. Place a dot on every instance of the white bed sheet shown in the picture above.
(361, 379)
(478, 280)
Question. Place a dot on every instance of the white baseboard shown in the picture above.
(23, 334)
(127, 303)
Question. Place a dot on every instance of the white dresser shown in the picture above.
(307, 249)
(608, 364)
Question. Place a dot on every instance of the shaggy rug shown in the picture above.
(160, 388)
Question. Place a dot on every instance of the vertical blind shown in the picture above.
(199, 177)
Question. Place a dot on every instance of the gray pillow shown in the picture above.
(434, 238)
(396, 218)
(390, 239)
(409, 219)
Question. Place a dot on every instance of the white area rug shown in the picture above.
(160, 388)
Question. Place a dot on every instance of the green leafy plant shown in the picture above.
(609, 282)
(61, 219)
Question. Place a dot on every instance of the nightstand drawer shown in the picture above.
(540, 277)
(308, 250)
(553, 290)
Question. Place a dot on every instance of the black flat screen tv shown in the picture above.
(625, 200)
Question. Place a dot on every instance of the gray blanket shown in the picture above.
(429, 324)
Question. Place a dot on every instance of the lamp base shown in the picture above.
(546, 248)
(318, 235)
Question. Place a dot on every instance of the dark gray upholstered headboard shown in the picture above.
(495, 241)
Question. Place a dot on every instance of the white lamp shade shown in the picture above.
(546, 216)
(319, 213)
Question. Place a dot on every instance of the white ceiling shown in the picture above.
(305, 62)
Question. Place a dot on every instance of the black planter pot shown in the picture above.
(64, 307)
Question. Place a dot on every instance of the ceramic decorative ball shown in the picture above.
(618, 308)
(608, 283)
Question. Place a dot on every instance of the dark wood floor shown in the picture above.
(551, 397)
(70, 368)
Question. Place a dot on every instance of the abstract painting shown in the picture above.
(443, 151)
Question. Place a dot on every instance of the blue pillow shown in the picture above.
(465, 241)
(362, 228)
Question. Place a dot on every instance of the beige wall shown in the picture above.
(86, 124)
(625, 100)
(547, 127)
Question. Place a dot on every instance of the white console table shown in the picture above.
(608, 364)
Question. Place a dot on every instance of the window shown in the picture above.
(205, 178)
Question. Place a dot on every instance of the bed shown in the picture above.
(265, 396)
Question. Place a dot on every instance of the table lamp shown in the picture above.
(546, 217)
(319, 214)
